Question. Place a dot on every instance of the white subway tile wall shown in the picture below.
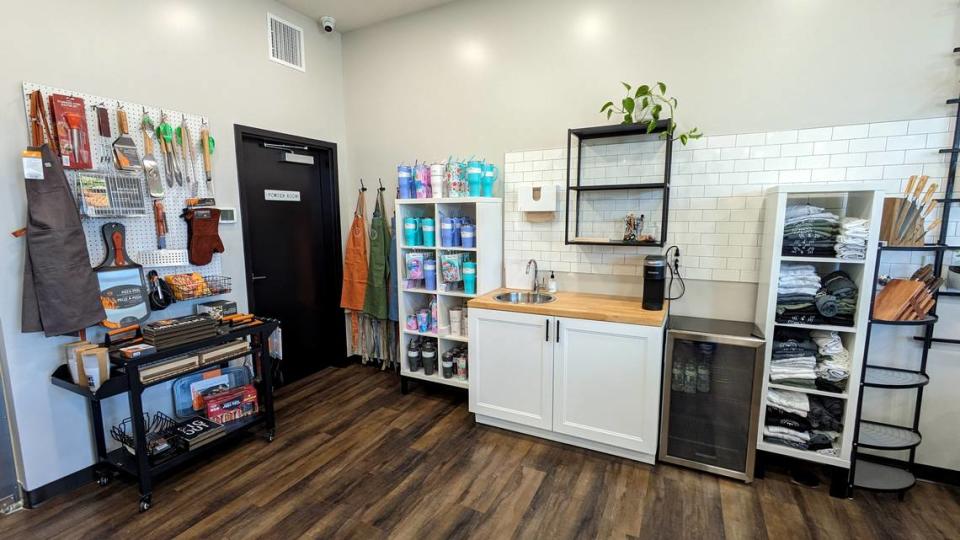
(717, 186)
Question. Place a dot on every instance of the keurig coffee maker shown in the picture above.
(654, 280)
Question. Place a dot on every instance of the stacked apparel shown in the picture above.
(801, 421)
(833, 367)
(802, 299)
(796, 292)
(809, 231)
(852, 240)
(793, 359)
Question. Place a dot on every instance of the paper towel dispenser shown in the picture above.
(537, 198)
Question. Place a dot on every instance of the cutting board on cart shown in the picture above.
(123, 289)
(894, 300)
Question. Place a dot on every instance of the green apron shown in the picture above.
(375, 302)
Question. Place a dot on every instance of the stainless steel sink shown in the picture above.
(524, 298)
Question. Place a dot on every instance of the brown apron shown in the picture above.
(355, 269)
(61, 294)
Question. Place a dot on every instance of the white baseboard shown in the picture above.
(567, 439)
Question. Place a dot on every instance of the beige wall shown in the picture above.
(205, 57)
(484, 77)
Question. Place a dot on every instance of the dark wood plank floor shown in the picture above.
(356, 459)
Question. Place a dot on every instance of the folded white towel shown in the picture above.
(785, 431)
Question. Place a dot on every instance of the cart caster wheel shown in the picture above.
(144, 504)
(271, 435)
(103, 480)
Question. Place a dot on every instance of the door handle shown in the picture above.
(558, 330)
(257, 278)
(547, 326)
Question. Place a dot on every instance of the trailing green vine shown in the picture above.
(646, 105)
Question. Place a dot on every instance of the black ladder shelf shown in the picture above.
(885, 475)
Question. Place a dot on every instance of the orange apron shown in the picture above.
(355, 268)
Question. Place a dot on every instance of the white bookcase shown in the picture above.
(853, 200)
(486, 213)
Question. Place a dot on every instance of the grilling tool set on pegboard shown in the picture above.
(128, 166)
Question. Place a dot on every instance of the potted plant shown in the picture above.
(646, 105)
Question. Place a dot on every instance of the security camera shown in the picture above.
(328, 23)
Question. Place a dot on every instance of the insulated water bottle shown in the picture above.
(421, 180)
(405, 181)
(468, 236)
(474, 178)
(428, 230)
(470, 277)
(428, 354)
(410, 229)
(413, 356)
(446, 232)
(430, 274)
(489, 177)
(436, 179)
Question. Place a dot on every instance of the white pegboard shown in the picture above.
(141, 230)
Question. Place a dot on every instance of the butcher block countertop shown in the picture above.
(596, 307)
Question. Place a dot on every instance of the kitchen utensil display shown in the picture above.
(151, 171)
(39, 125)
(123, 290)
(910, 206)
(187, 153)
(165, 136)
(160, 220)
(206, 146)
(124, 149)
(70, 121)
(103, 127)
(110, 194)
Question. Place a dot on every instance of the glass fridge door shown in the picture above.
(711, 403)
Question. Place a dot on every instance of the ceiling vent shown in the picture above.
(285, 42)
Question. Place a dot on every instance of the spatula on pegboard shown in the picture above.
(124, 149)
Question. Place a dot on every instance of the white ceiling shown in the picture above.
(353, 14)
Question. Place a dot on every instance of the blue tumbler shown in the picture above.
(405, 181)
(446, 232)
(474, 177)
(430, 274)
(468, 237)
(490, 174)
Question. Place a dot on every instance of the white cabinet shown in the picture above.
(606, 384)
(588, 383)
(511, 372)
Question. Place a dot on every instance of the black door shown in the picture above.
(291, 227)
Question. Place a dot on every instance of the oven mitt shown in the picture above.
(203, 238)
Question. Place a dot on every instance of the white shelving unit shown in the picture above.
(851, 200)
(486, 213)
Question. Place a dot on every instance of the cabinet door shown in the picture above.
(607, 383)
(511, 366)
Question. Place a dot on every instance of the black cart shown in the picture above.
(126, 379)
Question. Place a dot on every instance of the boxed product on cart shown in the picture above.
(232, 404)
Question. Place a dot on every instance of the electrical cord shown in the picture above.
(674, 273)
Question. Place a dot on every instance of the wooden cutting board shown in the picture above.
(894, 299)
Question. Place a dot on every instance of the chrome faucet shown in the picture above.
(536, 271)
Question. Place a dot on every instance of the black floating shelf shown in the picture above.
(948, 293)
(881, 436)
(949, 150)
(927, 247)
(599, 132)
(876, 477)
(893, 378)
(953, 101)
(929, 319)
(948, 201)
(614, 243)
(956, 49)
(615, 187)
(938, 340)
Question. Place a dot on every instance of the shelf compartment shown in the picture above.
(806, 455)
(825, 327)
(419, 291)
(878, 377)
(126, 462)
(880, 436)
(803, 390)
(876, 477)
(929, 319)
(831, 260)
(437, 378)
(615, 187)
